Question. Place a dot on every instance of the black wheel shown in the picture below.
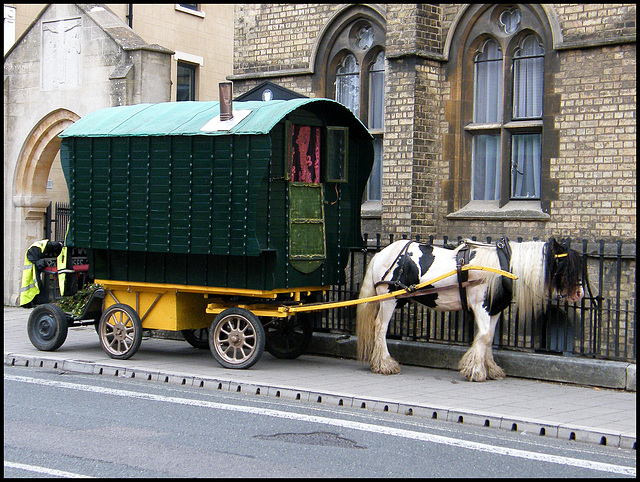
(288, 338)
(236, 338)
(120, 331)
(47, 327)
(197, 338)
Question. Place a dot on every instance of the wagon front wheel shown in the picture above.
(236, 338)
(120, 331)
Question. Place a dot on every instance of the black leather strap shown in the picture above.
(504, 256)
(462, 258)
(400, 262)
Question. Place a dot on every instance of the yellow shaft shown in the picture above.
(385, 296)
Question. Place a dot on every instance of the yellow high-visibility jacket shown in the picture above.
(29, 288)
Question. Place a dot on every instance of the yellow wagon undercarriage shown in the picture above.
(184, 307)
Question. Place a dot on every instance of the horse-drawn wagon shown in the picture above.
(202, 225)
(229, 230)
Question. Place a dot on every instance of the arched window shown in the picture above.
(528, 79)
(376, 125)
(488, 83)
(528, 87)
(348, 84)
(376, 92)
(505, 128)
(487, 109)
(354, 65)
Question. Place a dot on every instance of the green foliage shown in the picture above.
(74, 305)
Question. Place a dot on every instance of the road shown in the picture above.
(69, 425)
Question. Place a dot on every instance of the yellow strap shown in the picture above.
(561, 255)
(385, 296)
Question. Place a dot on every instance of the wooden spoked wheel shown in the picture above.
(120, 331)
(236, 338)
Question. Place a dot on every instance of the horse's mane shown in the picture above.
(527, 263)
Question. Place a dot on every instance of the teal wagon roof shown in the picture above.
(188, 119)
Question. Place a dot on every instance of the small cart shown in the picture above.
(48, 324)
(235, 327)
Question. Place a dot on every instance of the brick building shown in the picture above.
(489, 120)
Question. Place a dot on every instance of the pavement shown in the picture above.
(559, 410)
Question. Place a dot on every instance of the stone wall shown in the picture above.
(597, 163)
(277, 37)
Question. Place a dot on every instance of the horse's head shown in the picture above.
(564, 271)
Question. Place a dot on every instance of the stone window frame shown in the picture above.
(477, 25)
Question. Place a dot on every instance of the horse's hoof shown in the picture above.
(474, 375)
(388, 368)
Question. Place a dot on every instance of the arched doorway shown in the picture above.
(30, 195)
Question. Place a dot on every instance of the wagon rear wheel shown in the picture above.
(197, 338)
(47, 327)
(236, 338)
(120, 331)
(288, 338)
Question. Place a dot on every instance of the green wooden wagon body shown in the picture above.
(168, 193)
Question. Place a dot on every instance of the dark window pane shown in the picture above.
(186, 82)
(486, 167)
(525, 166)
(374, 185)
(337, 142)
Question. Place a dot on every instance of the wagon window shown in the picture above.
(337, 145)
(304, 153)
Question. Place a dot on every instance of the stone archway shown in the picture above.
(30, 198)
(34, 162)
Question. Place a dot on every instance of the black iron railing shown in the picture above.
(602, 325)
(56, 220)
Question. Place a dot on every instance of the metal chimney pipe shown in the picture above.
(226, 102)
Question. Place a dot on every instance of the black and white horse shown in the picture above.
(544, 269)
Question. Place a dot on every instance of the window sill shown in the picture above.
(371, 209)
(512, 211)
(196, 13)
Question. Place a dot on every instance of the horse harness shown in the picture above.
(503, 250)
(396, 283)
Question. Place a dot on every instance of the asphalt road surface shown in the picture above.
(71, 425)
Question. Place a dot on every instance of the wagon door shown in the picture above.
(307, 242)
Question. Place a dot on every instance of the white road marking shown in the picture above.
(45, 470)
(366, 427)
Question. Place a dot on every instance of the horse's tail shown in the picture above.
(366, 316)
